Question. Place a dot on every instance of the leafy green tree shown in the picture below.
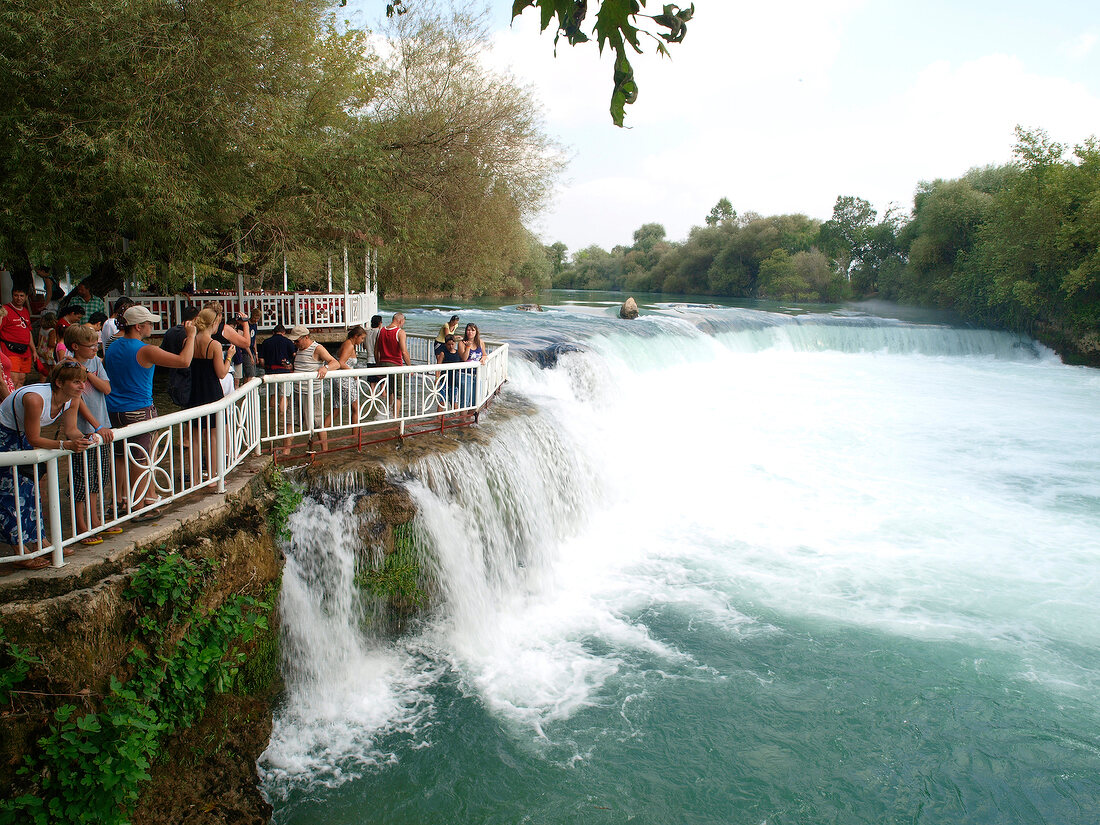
(947, 217)
(535, 272)
(1012, 246)
(883, 253)
(143, 134)
(469, 162)
(824, 283)
(556, 257)
(647, 236)
(144, 137)
(1081, 236)
(845, 236)
(722, 212)
(595, 268)
(780, 279)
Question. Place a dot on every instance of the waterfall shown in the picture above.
(342, 686)
(719, 546)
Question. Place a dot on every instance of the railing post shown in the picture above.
(220, 441)
(348, 321)
(53, 489)
(309, 407)
(297, 310)
(254, 407)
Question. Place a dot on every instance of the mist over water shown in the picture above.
(734, 566)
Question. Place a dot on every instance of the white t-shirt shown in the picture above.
(110, 329)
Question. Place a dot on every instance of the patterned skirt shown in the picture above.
(14, 486)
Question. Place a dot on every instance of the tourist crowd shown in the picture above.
(97, 373)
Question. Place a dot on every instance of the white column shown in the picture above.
(347, 301)
(285, 288)
(330, 274)
(240, 279)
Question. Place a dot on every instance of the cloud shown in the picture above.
(1079, 47)
(772, 106)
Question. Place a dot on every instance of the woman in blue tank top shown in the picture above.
(130, 362)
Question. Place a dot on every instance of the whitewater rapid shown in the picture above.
(706, 482)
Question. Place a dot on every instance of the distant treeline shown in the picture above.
(1014, 247)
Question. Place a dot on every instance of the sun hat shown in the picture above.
(298, 331)
(139, 315)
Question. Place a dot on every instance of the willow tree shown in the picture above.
(468, 161)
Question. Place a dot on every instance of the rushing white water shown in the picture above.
(745, 471)
(343, 687)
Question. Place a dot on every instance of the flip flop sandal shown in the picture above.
(142, 518)
(112, 531)
(91, 540)
(37, 563)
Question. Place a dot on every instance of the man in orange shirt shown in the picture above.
(15, 336)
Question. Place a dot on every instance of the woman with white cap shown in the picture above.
(311, 356)
(130, 362)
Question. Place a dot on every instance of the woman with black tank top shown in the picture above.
(208, 367)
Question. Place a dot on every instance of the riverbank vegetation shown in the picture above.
(1015, 247)
(92, 763)
(144, 138)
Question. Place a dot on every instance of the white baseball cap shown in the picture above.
(139, 315)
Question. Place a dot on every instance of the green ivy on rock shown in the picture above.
(90, 767)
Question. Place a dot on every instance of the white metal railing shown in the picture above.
(175, 455)
(148, 464)
(312, 309)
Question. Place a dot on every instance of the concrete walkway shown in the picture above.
(116, 553)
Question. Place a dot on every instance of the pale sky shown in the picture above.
(783, 106)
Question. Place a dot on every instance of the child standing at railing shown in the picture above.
(92, 468)
(452, 379)
(47, 338)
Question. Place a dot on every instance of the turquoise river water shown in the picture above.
(721, 565)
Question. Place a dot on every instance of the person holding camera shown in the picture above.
(235, 330)
(130, 363)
